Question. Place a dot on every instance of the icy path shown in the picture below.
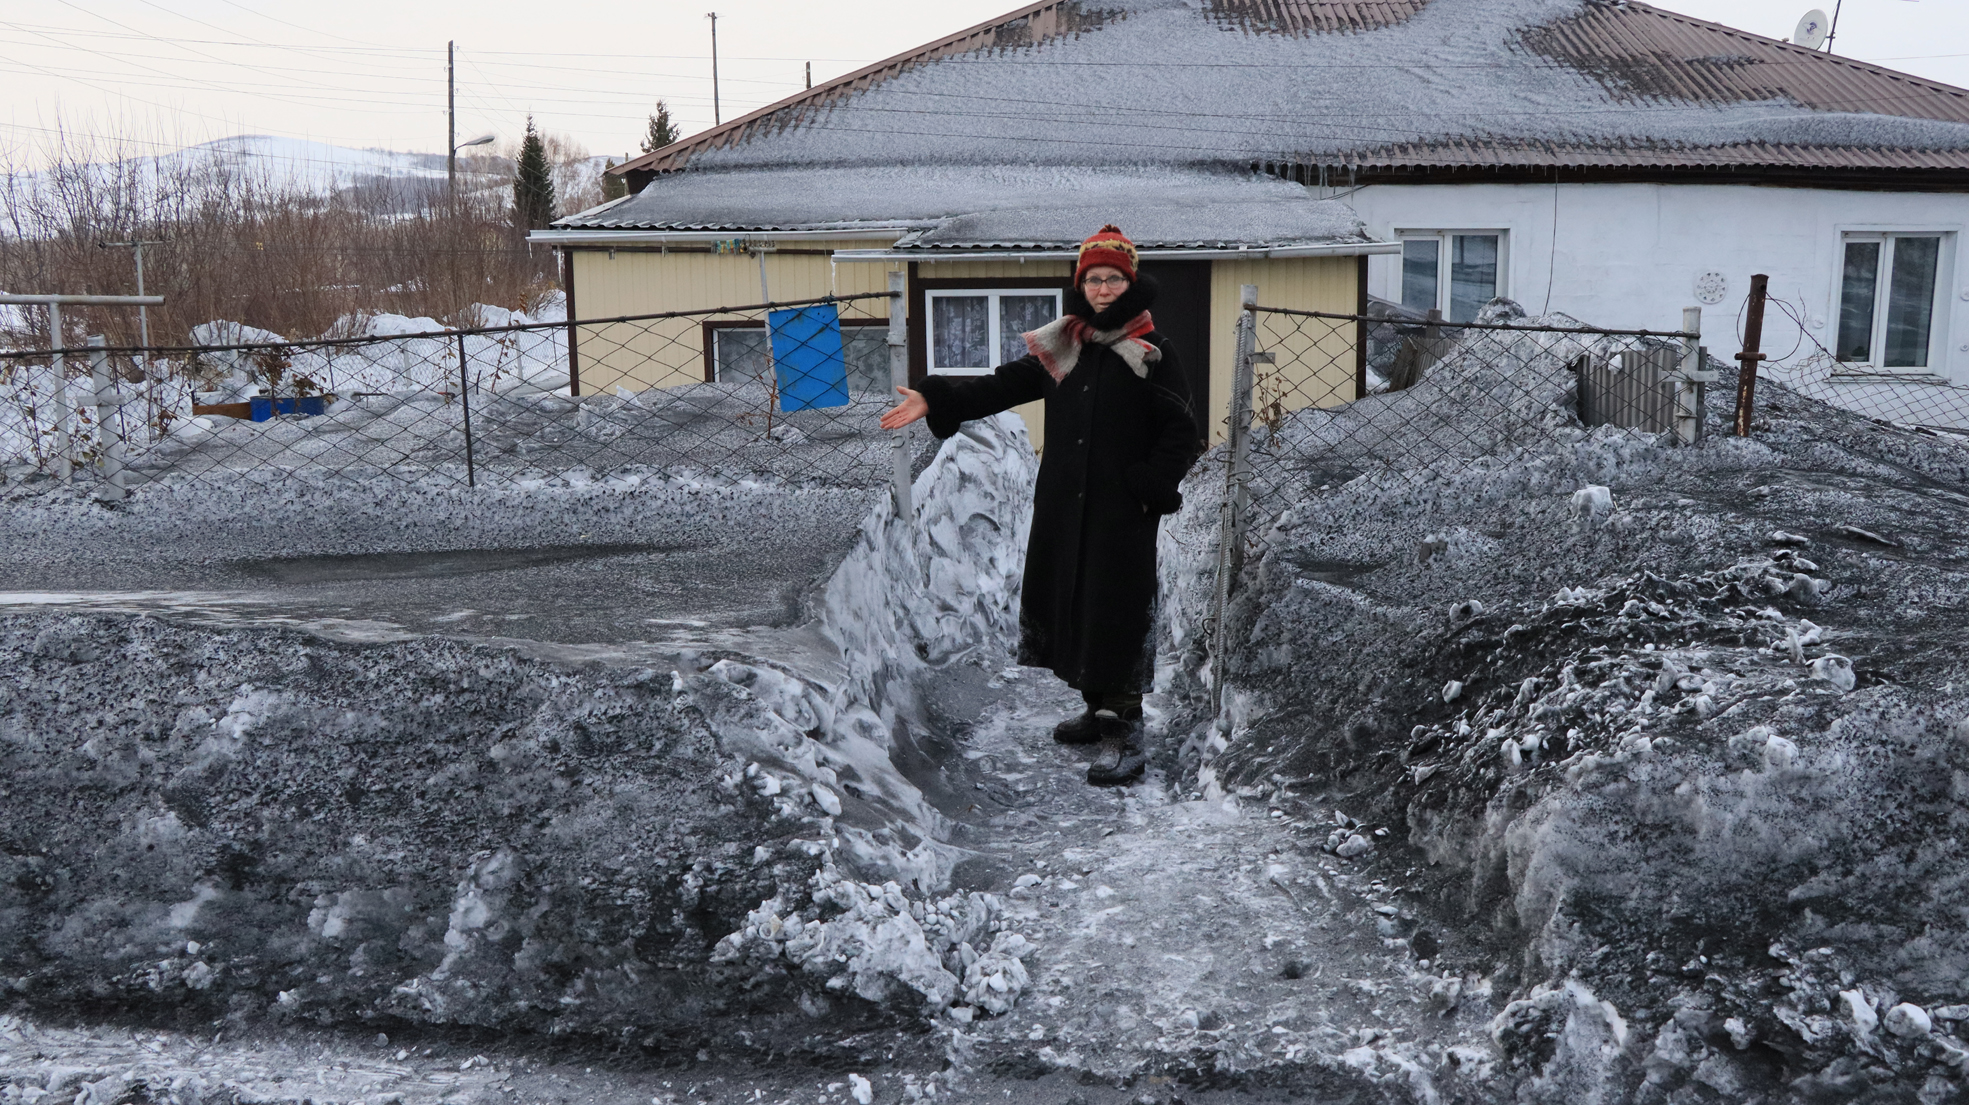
(1189, 940)
(1177, 939)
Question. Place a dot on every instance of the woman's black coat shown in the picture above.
(1117, 445)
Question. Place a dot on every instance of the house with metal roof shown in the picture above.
(1603, 158)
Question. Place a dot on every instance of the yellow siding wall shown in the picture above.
(1315, 358)
(663, 354)
(1315, 361)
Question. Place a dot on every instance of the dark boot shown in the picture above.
(1121, 759)
(1081, 729)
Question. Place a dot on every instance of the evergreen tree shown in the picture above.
(533, 182)
(614, 187)
(661, 131)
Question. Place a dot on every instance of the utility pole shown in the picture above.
(717, 116)
(810, 74)
(451, 115)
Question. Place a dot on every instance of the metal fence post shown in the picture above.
(109, 439)
(1237, 489)
(899, 377)
(1692, 380)
(465, 405)
(64, 443)
(1753, 339)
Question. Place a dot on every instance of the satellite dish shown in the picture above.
(1812, 29)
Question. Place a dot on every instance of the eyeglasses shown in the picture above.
(1105, 282)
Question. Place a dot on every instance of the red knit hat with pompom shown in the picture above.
(1108, 246)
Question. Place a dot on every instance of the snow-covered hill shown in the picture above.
(388, 180)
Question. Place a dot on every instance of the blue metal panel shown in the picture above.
(807, 357)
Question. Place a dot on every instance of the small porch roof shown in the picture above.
(949, 212)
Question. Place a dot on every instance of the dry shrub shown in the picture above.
(248, 246)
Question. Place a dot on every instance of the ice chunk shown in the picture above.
(1779, 753)
(1907, 1021)
(827, 800)
(1836, 670)
(1861, 1010)
(1592, 501)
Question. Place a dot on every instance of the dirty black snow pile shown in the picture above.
(1666, 749)
(262, 823)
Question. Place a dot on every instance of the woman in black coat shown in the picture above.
(1120, 434)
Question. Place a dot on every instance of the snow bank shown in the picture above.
(1672, 772)
(441, 832)
(944, 586)
(914, 594)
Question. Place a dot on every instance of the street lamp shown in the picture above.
(452, 166)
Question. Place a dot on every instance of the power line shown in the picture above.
(398, 74)
(299, 99)
(298, 27)
(200, 53)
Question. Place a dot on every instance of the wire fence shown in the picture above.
(786, 391)
(1905, 397)
(1320, 399)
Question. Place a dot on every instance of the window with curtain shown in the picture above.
(1887, 287)
(1474, 275)
(975, 331)
(738, 353)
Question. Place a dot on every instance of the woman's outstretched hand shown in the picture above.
(912, 407)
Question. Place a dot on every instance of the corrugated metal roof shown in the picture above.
(1032, 24)
(1460, 153)
(1309, 82)
(1301, 17)
(963, 207)
(1643, 52)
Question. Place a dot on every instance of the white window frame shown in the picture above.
(1443, 239)
(1940, 313)
(714, 359)
(994, 340)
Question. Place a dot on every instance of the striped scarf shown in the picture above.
(1057, 344)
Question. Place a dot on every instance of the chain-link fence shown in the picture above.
(790, 391)
(1319, 399)
(1912, 396)
(1928, 404)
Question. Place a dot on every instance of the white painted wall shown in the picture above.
(1629, 255)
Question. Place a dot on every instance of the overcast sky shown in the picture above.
(158, 74)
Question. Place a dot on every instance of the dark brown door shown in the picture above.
(1182, 314)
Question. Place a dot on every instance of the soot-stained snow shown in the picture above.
(1666, 745)
(262, 823)
(1573, 767)
(977, 205)
(1175, 82)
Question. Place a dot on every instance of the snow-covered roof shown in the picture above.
(1023, 131)
(993, 207)
(1327, 82)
